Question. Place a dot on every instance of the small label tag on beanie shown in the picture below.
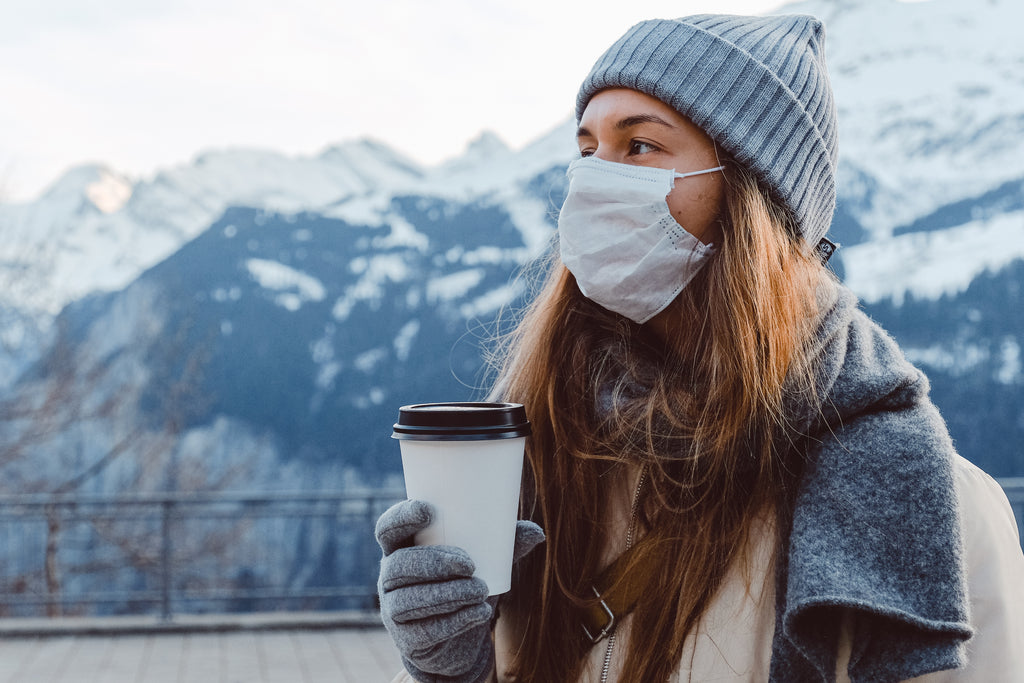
(826, 248)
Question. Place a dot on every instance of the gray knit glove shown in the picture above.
(436, 611)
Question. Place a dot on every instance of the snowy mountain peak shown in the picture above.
(374, 157)
(486, 144)
(110, 192)
(487, 149)
(95, 182)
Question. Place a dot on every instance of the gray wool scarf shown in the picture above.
(874, 535)
(875, 526)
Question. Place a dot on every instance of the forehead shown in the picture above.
(612, 105)
(621, 110)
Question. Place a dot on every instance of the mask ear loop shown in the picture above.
(718, 161)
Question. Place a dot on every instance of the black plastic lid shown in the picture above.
(461, 421)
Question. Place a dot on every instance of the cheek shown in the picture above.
(698, 211)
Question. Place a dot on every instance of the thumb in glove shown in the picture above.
(528, 537)
(437, 613)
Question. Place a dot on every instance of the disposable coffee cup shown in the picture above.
(466, 461)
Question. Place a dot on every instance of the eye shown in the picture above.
(637, 147)
(586, 152)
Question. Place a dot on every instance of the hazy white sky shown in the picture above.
(145, 84)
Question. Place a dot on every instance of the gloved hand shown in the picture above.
(436, 611)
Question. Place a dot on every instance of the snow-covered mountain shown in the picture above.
(304, 298)
(931, 111)
(930, 99)
(93, 230)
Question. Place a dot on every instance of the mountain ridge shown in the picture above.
(358, 237)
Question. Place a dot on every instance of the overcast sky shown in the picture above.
(140, 85)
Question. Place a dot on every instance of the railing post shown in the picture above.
(365, 547)
(165, 560)
(51, 572)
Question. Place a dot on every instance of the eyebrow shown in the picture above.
(629, 122)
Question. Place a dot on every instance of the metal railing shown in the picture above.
(201, 552)
(188, 552)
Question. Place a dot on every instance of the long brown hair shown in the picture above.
(703, 412)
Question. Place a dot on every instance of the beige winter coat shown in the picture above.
(733, 642)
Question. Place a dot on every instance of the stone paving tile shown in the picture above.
(244, 657)
(125, 661)
(162, 658)
(87, 661)
(347, 655)
(310, 652)
(202, 658)
(367, 657)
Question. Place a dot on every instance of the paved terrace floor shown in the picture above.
(298, 648)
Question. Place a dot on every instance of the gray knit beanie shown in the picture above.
(757, 85)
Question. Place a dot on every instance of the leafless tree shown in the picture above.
(71, 403)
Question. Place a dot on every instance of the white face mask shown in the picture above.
(620, 241)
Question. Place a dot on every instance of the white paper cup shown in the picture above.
(466, 461)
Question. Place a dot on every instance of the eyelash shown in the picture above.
(633, 144)
(636, 143)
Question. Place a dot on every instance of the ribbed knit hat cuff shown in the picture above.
(735, 99)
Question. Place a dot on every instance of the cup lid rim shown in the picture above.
(477, 419)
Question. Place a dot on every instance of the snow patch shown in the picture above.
(289, 301)
(962, 359)
(957, 361)
(403, 234)
(223, 295)
(1010, 362)
(374, 397)
(369, 210)
(482, 256)
(325, 375)
(535, 220)
(374, 273)
(405, 338)
(453, 286)
(928, 265)
(491, 301)
(367, 361)
(295, 287)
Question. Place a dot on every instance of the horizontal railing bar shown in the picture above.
(1013, 486)
(14, 599)
(192, 595)
(196, 498)
(156, 515)
(226, 594)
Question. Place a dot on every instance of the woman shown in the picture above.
(738, 474)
